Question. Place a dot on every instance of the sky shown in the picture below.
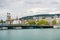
(23, 8)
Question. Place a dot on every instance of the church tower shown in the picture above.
(8, 16)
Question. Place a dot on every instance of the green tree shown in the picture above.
(54, 22)
(1, 21)
(42, 22)
(30, 22)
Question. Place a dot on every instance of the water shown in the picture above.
(30, 34)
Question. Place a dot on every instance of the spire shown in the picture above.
(17, 18)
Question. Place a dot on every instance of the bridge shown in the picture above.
(24, 27)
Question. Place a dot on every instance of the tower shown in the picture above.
(17, 18)
(8, 19)
(8, 16)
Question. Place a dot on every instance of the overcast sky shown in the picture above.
(22, 8)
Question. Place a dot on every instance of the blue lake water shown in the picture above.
(30, 34)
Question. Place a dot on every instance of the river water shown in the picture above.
(30, 34)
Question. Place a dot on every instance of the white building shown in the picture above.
(16, 22)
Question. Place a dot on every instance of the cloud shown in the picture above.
(43, 10)
(22, 8)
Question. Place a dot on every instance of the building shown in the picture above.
(9, 20)
(16, 21)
